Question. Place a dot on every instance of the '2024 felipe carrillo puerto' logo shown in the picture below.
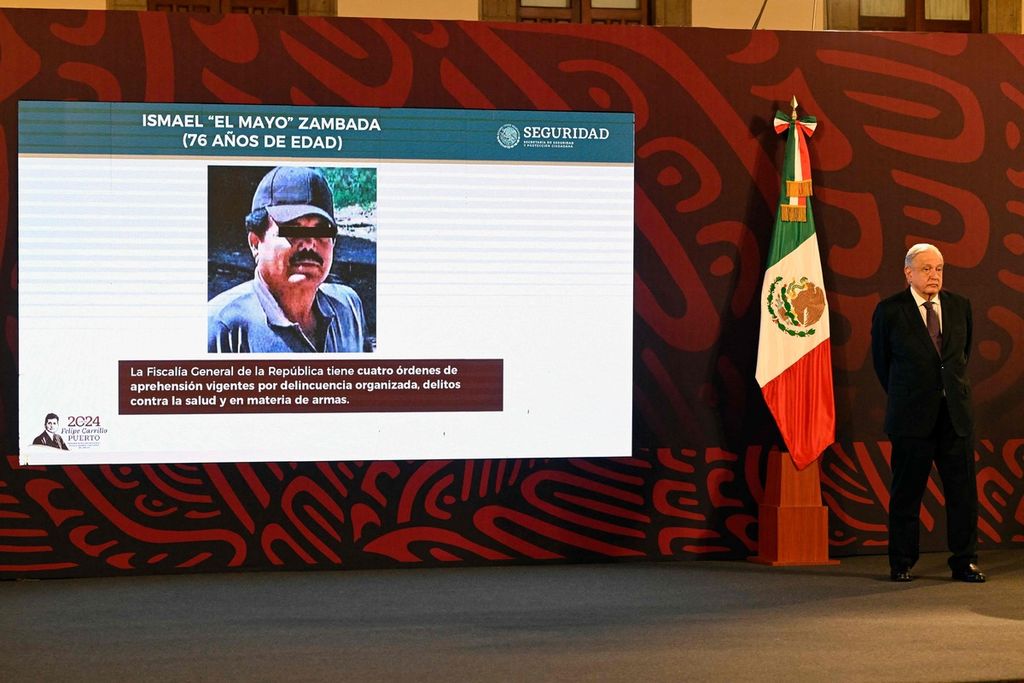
(795, 306)
(508, 136)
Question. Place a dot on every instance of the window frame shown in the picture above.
(913, 19)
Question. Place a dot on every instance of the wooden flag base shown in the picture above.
(793, 524)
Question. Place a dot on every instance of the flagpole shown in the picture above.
(792, 522)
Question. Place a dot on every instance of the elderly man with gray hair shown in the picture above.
(920, 343)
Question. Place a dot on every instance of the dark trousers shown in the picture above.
(912, 459)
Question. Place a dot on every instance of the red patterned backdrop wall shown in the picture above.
(919, 140)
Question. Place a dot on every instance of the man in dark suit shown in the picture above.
(50, 437)
(920, 343)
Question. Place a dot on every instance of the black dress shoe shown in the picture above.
(969, 574)
(902, 575)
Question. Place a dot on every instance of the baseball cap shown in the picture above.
(290, 192)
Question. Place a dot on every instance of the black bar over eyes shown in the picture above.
(318, 230)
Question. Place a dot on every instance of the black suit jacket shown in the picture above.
(45, 440)
(914, 376)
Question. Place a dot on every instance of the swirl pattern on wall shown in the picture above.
(919, 140)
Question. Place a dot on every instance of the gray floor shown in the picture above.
(670, 621)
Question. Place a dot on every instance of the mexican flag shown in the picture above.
(794, 353)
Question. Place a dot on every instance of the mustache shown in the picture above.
(305, 255)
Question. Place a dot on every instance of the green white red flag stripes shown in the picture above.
(794, 353)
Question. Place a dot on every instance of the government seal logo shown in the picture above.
(508, 136)
(795, 306)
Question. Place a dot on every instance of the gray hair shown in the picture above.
(919, 248)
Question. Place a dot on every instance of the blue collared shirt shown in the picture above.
(247, 319)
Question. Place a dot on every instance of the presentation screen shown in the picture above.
(223, 283)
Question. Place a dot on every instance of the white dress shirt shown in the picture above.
(924, 311)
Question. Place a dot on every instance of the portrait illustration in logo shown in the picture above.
(508, 136)
(796, 306)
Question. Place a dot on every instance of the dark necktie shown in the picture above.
(931, 319)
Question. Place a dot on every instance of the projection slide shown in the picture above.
(221, 283)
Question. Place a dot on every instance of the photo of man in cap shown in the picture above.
(50, 437)
(287, 306)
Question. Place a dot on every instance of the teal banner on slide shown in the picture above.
(190, 130)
